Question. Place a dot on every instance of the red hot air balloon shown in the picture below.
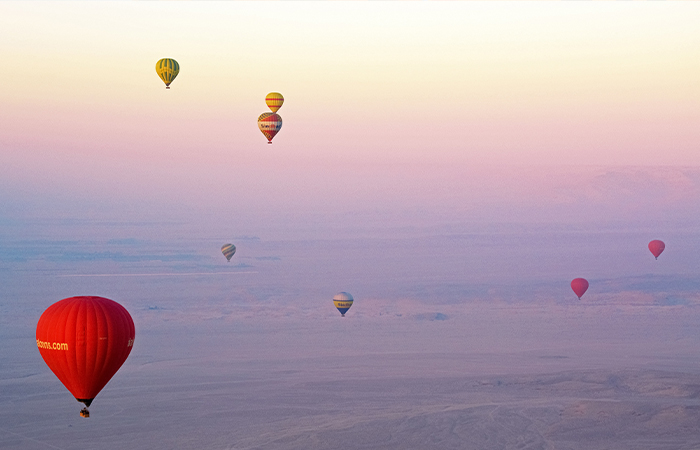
(656, 247)
(84, 341)
(270, 124)
(580, 286)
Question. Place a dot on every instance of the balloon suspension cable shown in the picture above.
(342, 315)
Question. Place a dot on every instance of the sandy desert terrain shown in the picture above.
(437, 353)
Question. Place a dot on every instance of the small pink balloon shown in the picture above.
(656, 247)
(580, 286)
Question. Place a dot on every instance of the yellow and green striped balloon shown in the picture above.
(342, 301)
(228, 250)
(274, 101)
(167, 69)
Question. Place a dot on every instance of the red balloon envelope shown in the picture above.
(656, 247)
(84, 341)
(580, 286)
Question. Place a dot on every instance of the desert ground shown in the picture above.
(441, 350)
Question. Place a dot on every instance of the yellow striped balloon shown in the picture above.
(274, 101)
(269, 124)
(228, 250)
(343, 301)
(167, 69)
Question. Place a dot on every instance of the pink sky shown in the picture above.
(467, 111)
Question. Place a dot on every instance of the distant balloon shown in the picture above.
(656, 247)
(580, 286)
(274, 101)
(167, 69)
(228, 250)
(342, 301)
(84, 341)
(270, 124)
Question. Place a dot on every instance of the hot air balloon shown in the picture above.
(228, 250)
(342, 301)
(579, 285)
(84, 341)
(167, 69)
(656, 247)
(274, 101)
(269, 124)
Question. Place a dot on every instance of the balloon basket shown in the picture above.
(167, 87)
(84, 413)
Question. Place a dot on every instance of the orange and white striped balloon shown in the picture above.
(274, 101)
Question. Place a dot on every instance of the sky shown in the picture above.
(470, 111)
